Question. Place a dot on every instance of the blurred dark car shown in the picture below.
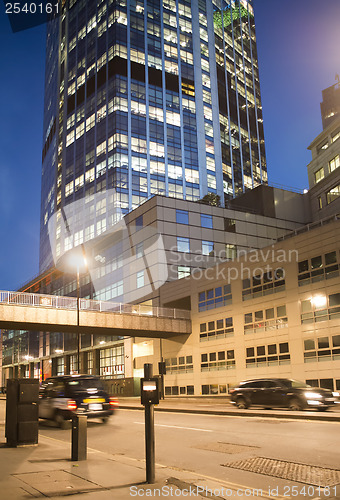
(282, 392)
(64, 396)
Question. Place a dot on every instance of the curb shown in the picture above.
(322, 417)
(226, 413)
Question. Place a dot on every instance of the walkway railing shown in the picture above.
(310, 227)
(60, 302)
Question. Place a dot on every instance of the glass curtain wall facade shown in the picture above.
(240, 109)
(147, 97)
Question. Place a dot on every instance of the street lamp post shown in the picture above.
(78, 311)
(77, 260)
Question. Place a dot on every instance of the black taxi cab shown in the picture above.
(63, 396)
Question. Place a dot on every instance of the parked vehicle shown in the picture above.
(282, 392)
(64, 396)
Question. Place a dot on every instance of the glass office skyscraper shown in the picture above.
(147, 97)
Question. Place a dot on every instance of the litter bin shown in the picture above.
(22, 399)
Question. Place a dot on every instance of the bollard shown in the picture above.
(149, 397)
(79, 437)
(150, 443)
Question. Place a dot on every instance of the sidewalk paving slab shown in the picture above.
(46, 471)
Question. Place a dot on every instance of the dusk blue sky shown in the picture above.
(299, 55)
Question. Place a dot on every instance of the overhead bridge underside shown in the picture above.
(47, 313)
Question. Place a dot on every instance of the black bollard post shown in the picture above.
(150, 443)
(149, 397)
(79, 437)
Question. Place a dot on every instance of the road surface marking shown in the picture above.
(178, 427)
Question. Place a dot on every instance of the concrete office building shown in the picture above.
(143, 98)
(193, 236)
(330, 105)
(274, 312)
(248, 320)
(323, 171)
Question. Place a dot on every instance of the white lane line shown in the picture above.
(178, 427)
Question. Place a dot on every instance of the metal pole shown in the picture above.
(78, 308)
(79, 438)
(148, 370)
(149, 433)
(150, 443)
(162, 375)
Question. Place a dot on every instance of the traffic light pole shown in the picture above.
(161, 368)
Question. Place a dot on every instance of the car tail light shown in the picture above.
(71, 405)
(114, 402)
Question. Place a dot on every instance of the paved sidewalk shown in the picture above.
(45, 470)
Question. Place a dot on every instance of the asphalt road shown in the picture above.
(206, 444)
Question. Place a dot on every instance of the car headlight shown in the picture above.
(336, 394)
(312, 395)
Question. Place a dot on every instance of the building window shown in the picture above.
(336, 136)
(216, 329)
(182, 217)
(139, 250)
(183, 272)
(207, 248)
(173, 390)
(230, 251)
(182, 364)
(266, 320)
(183, 244)
(229, 225)
(139, 222)
(333, 194)
(90, 362)
(206, 221)
(334, 163)
(323, 145)
(215, 297)
(60, 366)
(319, 202)
(110, 292)
(322, 349)
(214, 389)
(265, 284)
(320, 308)
(319, 175)
(140, 279)
(111, 362)
(73, 364)
(318, 268)
(325, 383)
(222, 360)
(271, 354)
